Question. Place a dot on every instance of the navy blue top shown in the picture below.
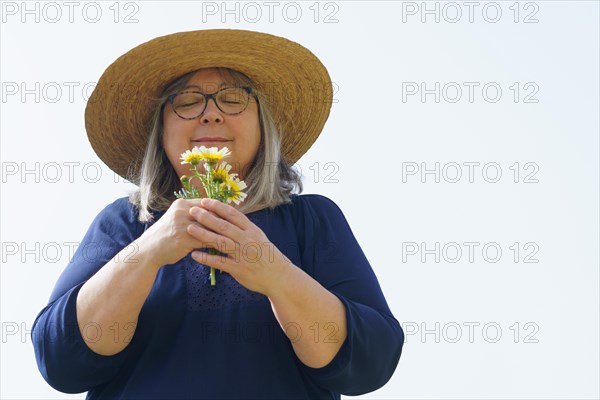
(197, 341)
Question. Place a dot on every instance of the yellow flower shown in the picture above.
(213, 154)
(192, 157)
(234, 190)
(221, 173)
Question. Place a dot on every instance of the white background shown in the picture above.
(547, 311)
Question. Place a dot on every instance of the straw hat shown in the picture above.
(291, 79)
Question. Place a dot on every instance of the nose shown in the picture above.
(211, 114)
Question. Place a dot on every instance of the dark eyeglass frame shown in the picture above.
(208, 96)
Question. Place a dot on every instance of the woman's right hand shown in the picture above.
(115, 295)
(168, 239)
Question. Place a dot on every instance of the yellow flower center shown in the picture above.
(220, 176)
(212, 157)
(234, 186)
(193, 158)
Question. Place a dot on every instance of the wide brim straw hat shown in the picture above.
(290, 78)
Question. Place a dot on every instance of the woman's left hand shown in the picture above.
(252, 259)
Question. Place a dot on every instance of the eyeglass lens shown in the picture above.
(229, 100)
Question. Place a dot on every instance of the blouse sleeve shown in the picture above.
(369, 355)
(63, 358)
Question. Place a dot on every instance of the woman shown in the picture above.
(297, 311)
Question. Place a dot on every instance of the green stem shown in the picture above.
(209, 176)
(211, 192)
(213, 278)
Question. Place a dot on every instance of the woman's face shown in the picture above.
(240, 133)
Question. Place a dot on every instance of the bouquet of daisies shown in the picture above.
(218, 182)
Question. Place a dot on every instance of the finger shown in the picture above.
(209, 239)
(227, 212)
(186, 204)
(215, 261)
(211, 221)
(191, 202)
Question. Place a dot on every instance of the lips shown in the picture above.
(210, 139)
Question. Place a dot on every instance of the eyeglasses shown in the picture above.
(192, 104)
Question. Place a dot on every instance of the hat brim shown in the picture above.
(290, 78)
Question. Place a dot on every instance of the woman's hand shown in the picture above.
(251, 259)
(169, 237)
